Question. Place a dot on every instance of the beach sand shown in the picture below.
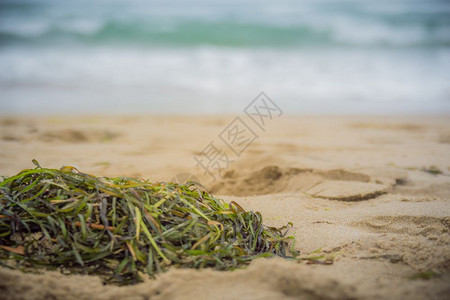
(369, 194)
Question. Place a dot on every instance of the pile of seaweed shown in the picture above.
(121, 228)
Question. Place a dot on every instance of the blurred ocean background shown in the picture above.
(215, 56)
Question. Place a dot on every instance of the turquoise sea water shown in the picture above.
(215, 56)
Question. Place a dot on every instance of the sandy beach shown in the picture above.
(369, 195)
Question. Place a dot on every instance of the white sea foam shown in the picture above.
(304, 81)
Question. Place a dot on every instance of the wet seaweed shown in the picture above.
(122, 228)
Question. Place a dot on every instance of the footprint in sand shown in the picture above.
(332, 184)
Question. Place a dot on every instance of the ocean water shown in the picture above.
(375, 57)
